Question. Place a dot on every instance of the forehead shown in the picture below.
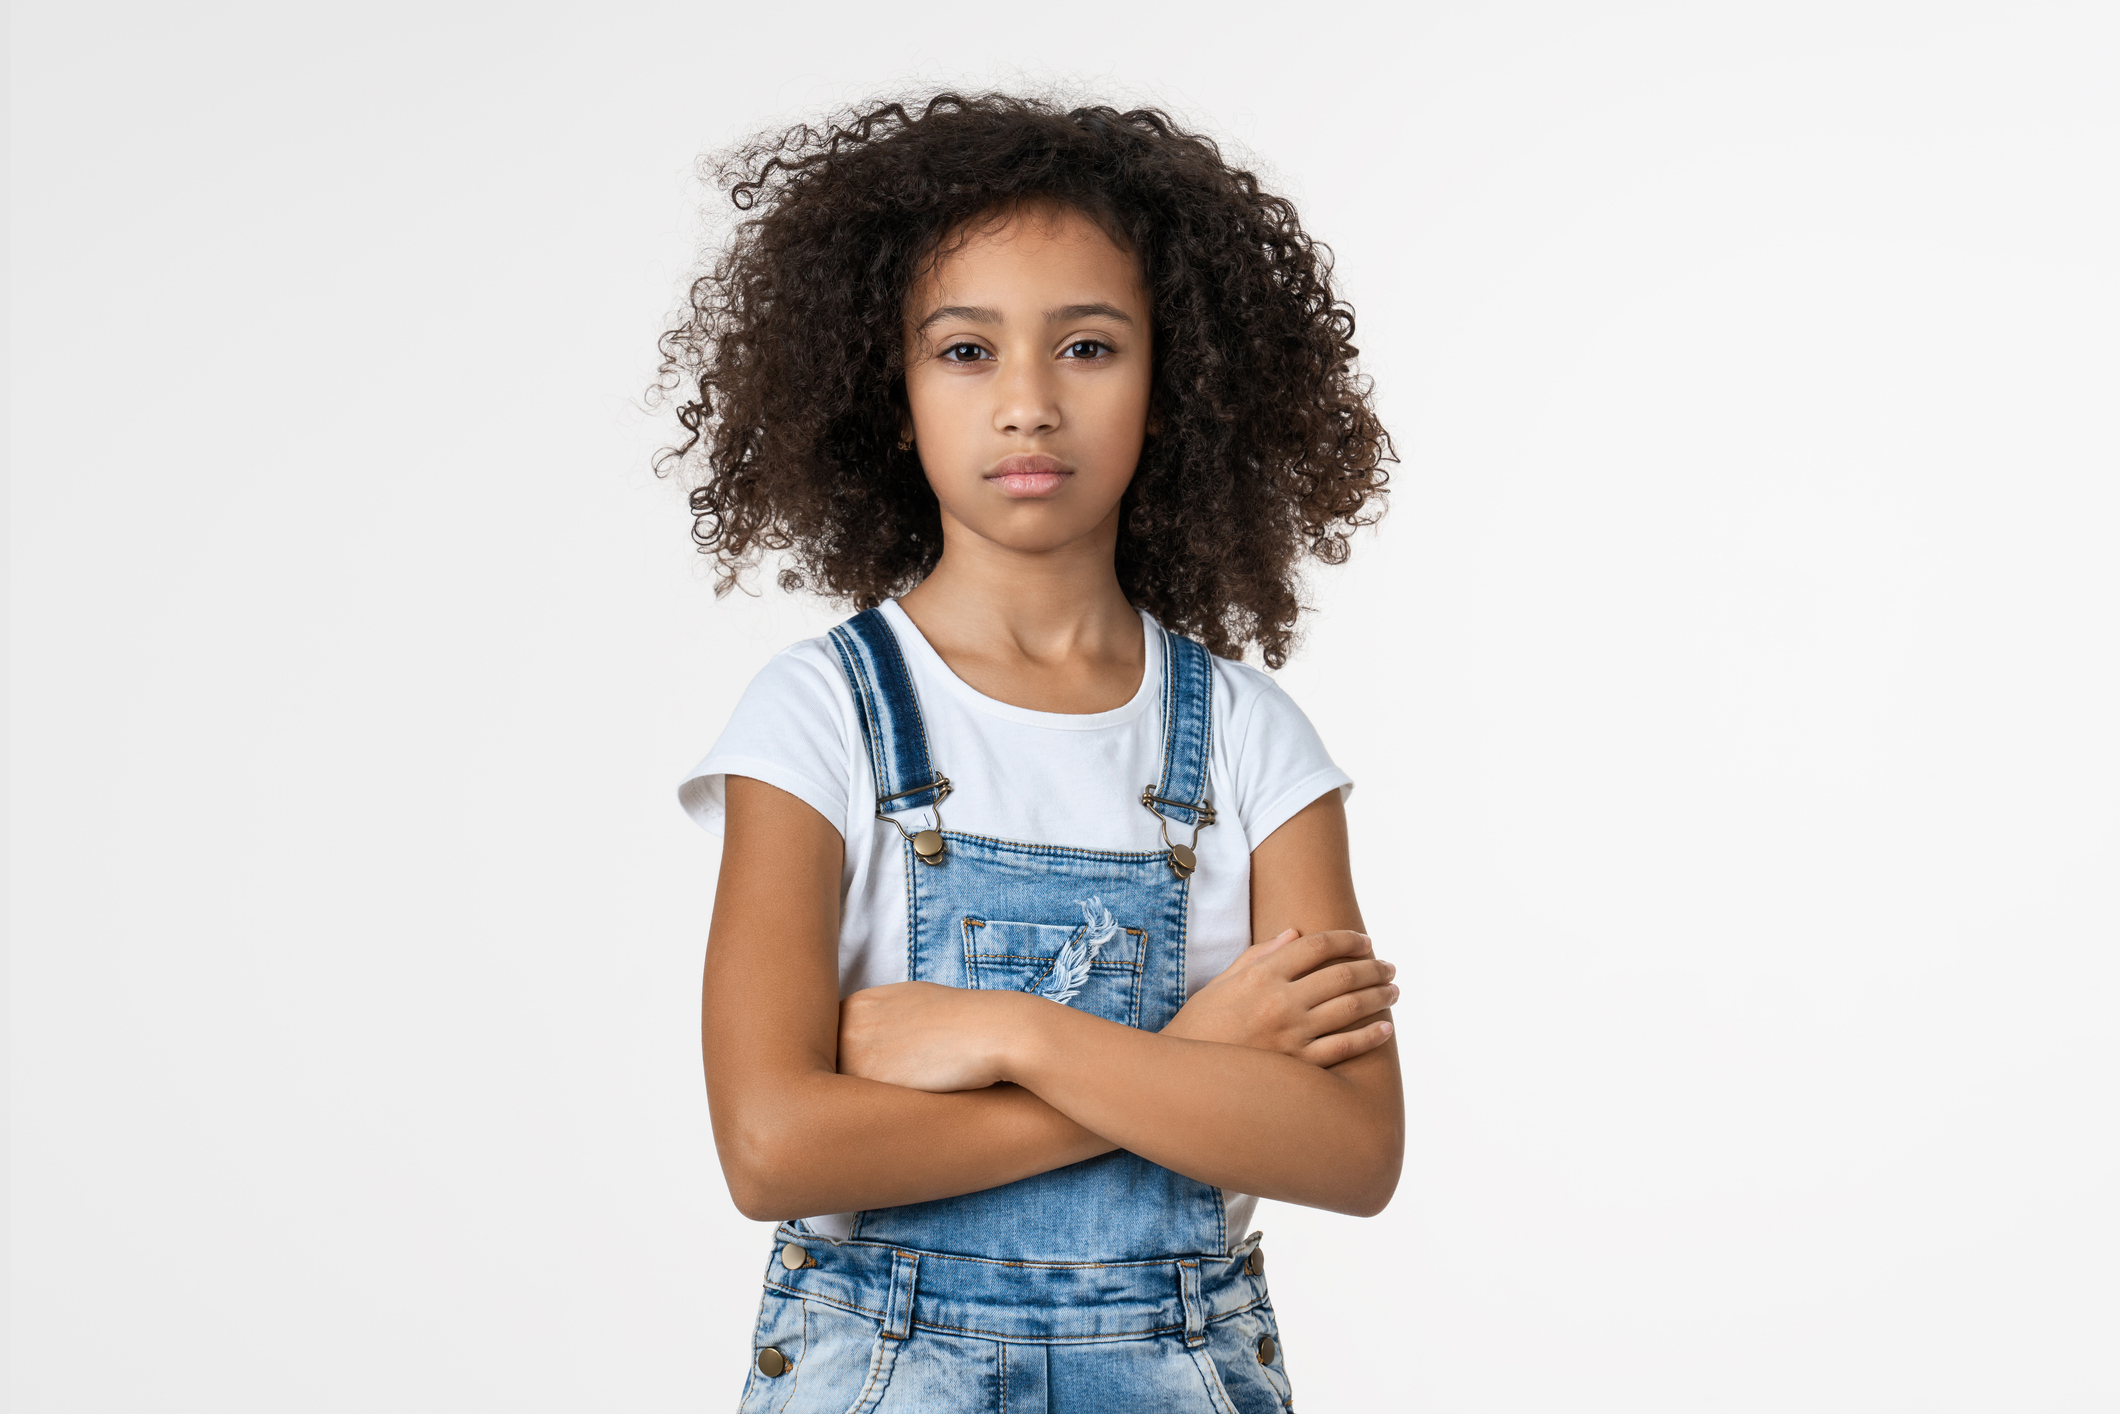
(1032, 255)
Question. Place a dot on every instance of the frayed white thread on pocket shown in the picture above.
(1071, 968)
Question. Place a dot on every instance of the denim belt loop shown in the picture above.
(898, 1310)
(1195, 1308)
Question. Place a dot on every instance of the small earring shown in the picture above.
(905, 444)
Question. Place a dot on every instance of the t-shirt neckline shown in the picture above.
(928, 664)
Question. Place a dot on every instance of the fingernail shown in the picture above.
(1390, 971)
(1387, 1027)
(1286, 933)
(1394, 993)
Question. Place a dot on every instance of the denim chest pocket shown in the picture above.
(1093, 965)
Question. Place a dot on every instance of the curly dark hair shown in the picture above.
(788, 364)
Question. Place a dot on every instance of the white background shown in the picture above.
(1731, 690)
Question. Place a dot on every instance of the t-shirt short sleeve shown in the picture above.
(1280, 762)
(789, 730)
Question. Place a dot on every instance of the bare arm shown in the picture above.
(1331, 1138)
(1254, 1120)
(795, 1136)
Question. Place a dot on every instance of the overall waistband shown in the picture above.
(1053, 1302)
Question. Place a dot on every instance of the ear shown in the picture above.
(904, 408)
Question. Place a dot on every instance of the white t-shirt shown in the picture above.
(1043, 777)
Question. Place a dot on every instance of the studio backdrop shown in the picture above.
(1730, 691)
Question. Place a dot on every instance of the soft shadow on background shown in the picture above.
(1730, 692)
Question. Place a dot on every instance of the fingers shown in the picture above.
(1328, 1051)
(1307, 954)
(1323, 985)
(1345, 1011)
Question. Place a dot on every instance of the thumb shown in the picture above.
(1278, 941)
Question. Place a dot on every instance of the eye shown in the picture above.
(966, 352)
(1087, 348)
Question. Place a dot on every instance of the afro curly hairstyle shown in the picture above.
(787, 366)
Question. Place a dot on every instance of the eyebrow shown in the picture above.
(1087, 311)
(980, 314)
(969, 313)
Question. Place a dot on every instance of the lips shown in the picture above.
(1029, 476)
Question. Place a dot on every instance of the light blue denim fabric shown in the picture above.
(1105, 1285)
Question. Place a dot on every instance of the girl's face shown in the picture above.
(1027, 376)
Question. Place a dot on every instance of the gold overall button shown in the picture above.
(1256, 1262)
(1183, 861)
(928, 845)
(1265, 1350)
(772, 1363)
(794, 1258)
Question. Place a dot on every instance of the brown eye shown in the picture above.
(964, 353)
(1087, 348)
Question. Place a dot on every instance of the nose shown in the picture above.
(1026, 398)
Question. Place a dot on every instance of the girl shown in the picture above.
(1035, 956)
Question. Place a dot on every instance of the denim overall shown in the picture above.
(1106, 1285)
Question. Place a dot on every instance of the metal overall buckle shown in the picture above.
(928, 845)
(1181, 857)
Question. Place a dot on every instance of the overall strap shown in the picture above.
(891, 726)
(1188, 697)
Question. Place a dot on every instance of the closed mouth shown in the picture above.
(1029, 476)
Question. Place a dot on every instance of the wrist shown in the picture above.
(1019, 1026)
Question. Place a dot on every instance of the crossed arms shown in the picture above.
(1279, 1078)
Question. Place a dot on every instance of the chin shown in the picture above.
(1035, 544)
(1033, 539)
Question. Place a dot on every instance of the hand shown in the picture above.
(1296, 995)
(924, 1036)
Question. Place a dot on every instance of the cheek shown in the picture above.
(939, 409)
(1121, 416)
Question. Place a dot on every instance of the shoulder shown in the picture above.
(1242, 689)
(1248, 700)
(1276, 761)
(809, 668)
(799, 690)
(792, 728)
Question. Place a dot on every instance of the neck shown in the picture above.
(987, 600)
